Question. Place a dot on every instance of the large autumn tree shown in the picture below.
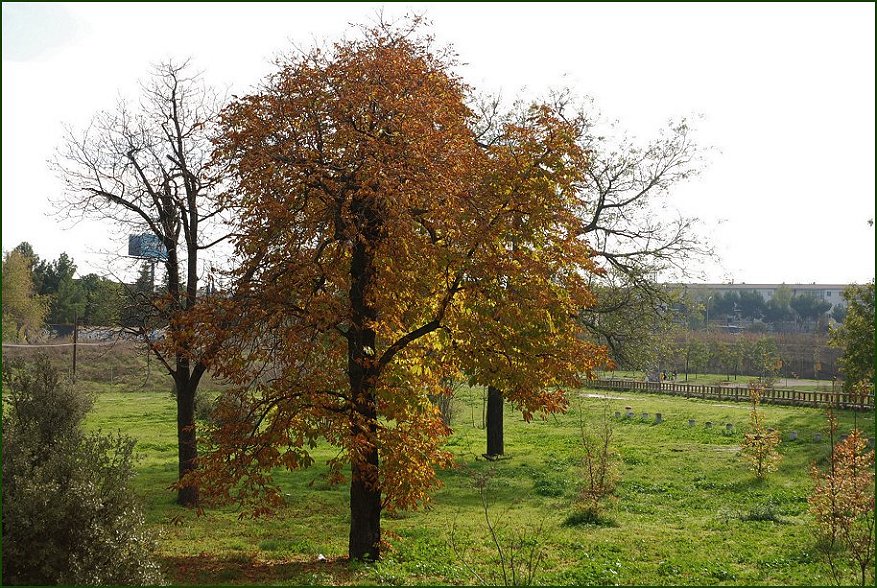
(374, 234)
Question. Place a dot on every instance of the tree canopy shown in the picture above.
(809, 307)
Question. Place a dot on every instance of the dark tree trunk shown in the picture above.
(365, 509)
(188, 448)
(186, 433)
(185, 384)
(365, 490)
(495, 401)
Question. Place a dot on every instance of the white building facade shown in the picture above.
(831, 293)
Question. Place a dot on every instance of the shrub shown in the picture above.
(41, 406)
(519, 554)
(759, 444)
(550, 487)
(763, 511)
(205, 404)
(69, 515)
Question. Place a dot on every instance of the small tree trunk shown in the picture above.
(495, 446)
(186, 439)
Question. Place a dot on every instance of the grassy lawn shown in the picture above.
(688, 511)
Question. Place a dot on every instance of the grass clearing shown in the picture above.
(687, 511)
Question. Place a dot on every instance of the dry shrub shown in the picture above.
(599, 463)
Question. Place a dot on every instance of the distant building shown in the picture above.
(831, 293)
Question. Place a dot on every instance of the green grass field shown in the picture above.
(687, 511)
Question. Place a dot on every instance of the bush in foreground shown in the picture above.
(69, 514)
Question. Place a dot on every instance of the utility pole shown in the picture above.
(75, 340)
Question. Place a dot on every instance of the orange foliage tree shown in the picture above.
(373, 231)
(842, 504)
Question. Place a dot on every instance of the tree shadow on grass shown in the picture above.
(250, 570)
(748, 483)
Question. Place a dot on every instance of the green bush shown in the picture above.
(551, 487)
(69, 514)
(205, 404)
(763, 511)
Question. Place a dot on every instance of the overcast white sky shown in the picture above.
(786, 92)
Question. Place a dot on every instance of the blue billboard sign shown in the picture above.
(147, 246)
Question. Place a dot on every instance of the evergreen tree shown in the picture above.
(856, 337)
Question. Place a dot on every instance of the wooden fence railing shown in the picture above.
(815, 399)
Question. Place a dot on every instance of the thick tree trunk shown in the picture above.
(186, 379)
(186, 382)
(365, 490)
(495, 446)
(186, 439)
(365, 510)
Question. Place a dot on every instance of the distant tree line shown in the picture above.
(39, 292)
(805, 309)
(675, 337)
(742, 355)
(755, 355)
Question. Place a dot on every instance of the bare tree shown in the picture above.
(146, 169)
(519, 553)
(640, 237)
(629, 186)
